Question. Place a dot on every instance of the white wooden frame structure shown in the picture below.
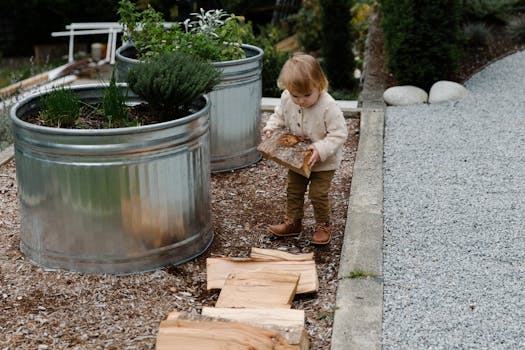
(112, 29)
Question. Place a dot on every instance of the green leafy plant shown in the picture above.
(490, 9)
(309, 26)
(212, 35)
(60, 107)
(358, 273)
(516, 27)
(273, 59)
(476, 34)
(114, 104)
(327, 314)
(172, 81)
(6, 132)
(15, 70)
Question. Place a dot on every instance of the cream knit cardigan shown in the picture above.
(323, 123)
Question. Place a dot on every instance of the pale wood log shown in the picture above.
(219, 268)
(293, 157)
(258, 289)
(196, 332)
(257, 317)
(13, 88)
(273, 254)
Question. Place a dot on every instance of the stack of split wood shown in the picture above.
(253, 310)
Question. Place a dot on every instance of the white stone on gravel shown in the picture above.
(405, 95)
(445, 90)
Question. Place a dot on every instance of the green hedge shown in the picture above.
(422, 39)
(339, 61)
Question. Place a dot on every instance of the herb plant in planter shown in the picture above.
(216, 37)
(118, 199)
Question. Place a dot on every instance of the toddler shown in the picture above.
(307, 110)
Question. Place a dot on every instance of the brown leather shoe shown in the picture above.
(288, 228)
(322, 234)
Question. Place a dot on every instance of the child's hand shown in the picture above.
(314, 158)
(268, 133)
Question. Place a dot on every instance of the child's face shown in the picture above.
(305, 100)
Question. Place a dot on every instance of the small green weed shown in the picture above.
(490, 9)
(273, 59)
(358, 273)
(6, 133)
(13, 71)
(114, 104)
(327, 314)
(516, 27)
(476, 34)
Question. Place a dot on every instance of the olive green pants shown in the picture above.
(319, 182)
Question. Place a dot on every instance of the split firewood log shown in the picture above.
(258, 289)
(191, 331)
(218, 269)
(288, 150)
(274, 254)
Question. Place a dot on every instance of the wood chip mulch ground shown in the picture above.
(43, 308)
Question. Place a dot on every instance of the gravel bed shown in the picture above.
(454, 198)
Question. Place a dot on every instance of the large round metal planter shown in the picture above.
(113, 200)
(236, 108)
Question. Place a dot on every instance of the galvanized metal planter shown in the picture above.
(236, 108)
(113, 200)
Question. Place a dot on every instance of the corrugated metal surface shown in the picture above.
(236, 109)
(236, 112)
(113, 200)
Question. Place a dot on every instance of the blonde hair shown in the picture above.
(301, 73)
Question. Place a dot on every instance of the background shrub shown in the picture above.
(337, 43)
(516, 27)
(308, 25)
(273, 59)
(476, 34)
(361, 13)
(422, 39)
(499, 10)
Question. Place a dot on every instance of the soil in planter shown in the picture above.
(91, 117)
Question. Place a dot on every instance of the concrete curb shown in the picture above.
(359, 302)
(358, 318)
